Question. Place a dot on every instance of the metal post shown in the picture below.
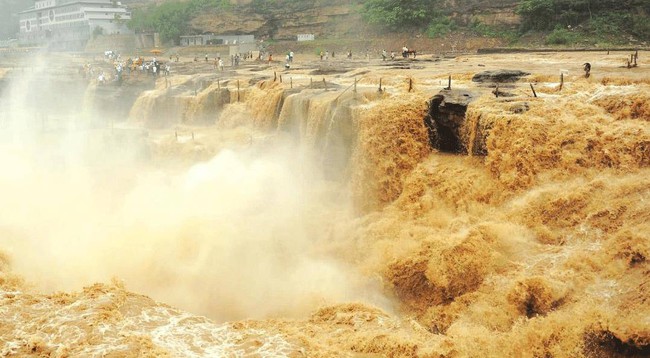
(561, 80)
(237, 90)
(290, 82)
(355, 84)
(533, 88)
(379, 84)
(449, 85)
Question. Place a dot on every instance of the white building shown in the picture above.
(69, 24)
(305, 37)
(211, 39)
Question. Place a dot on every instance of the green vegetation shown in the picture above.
(265, 6)
(409, 15)
(440, 26)
(589, 21)
(481, 29)
(561, 22)
(566, 22)
(561, 36)
(396, 15)
(171, 19)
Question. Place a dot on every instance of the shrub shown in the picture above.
(98, 31)
(440, 26)
(641, 28)
(397, 15)
(561, 36)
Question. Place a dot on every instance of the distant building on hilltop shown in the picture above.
(211, 39)
(305, 37)
(69, 24)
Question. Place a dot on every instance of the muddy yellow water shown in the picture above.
(318, 221)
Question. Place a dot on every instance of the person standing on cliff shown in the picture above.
(383, 55)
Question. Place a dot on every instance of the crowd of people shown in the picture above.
(406, 53)
(139, 66)
(121, 68)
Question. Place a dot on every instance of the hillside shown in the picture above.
(335, 18)
(523, 22)
(572, 23)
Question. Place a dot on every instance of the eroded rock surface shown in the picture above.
(445, 118)
(500, 76)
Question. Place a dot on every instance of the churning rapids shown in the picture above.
(302, 212)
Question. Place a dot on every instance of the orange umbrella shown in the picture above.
(155, 51)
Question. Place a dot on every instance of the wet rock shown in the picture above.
(500, 76)
(332, 69)
(500, 93)
(606, 344)
(323, 85)
(256, 79)
(445, 119)
(519, 108)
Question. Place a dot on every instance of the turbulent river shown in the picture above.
(239, 215)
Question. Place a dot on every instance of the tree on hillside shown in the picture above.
(400, 14)
(171, 19)
(599, 17)
(546, 14)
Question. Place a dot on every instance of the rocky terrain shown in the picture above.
(336, 18)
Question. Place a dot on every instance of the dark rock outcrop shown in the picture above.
(499, 76)
(446, 117)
